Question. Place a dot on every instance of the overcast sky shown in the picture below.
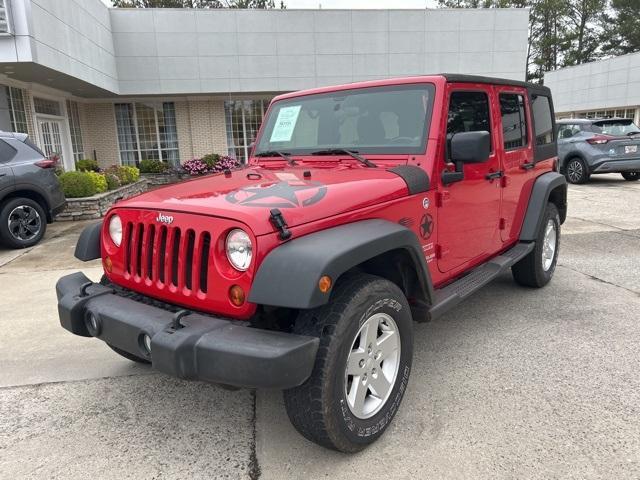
(353, 3)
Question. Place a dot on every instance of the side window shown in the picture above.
(468, 112)
(7, 152)
(514, 121)
(541, 108)
(567, 131)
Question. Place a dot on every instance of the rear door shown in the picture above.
(469, 211)
(7, 153)
(516, 149)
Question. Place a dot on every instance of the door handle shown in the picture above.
(3, 174)
(527, 166)
(494, 175)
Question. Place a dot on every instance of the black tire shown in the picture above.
(530, 271)
(28, 223)
(576, 171)
(319, 408)
(631, 176)
(128, 356)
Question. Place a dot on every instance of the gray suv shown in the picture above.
(30, 194)
(599, 145)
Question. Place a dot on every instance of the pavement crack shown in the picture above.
(79, 380)
(254, 467)
(598, 279)
(618, 230)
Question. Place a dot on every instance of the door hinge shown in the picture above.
(504, 181)
(502, 224)
(440, 251)
(442, 197)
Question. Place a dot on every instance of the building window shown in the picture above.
(147, 131)
(74, 129)
(243, 120)
(5, 18)
(13, 116)
(46, 106)
(619, 113)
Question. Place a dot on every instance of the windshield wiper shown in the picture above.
(351, 153)
(275, 153)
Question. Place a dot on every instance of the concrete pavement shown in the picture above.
(515, 383)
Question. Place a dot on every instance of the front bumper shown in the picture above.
(617, 166)
(204, 348)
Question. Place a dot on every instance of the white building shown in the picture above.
(605, 88)
(121, 85)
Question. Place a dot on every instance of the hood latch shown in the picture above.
(280, 224)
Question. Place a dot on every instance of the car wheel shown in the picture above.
(362, 366)
(537, 268)
(22, 223)
(128, 356)
(576, 171)
(631, 176)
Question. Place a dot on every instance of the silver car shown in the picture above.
(599, 145)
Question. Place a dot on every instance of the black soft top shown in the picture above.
(534, 87)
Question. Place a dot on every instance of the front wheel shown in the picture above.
(362, 366)
(631, 176)
(537, 268)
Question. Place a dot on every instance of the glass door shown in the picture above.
(51, 138)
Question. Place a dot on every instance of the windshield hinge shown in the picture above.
(280, 224)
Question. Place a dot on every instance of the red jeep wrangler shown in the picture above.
(364, 207)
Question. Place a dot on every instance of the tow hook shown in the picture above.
(280, 224)
(175, 323)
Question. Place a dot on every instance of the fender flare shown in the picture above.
(542, 190)
(289, 274)
(88, 246)
(573, 153)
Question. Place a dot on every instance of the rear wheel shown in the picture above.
(576, 171)
(362, 366)
(631, 176)
(537, 268)
(22, 223)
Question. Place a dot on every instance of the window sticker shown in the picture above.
(285, 123)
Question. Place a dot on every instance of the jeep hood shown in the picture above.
(248, 195)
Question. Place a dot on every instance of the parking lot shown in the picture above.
(514, 383)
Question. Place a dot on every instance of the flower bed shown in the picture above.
(87, 208)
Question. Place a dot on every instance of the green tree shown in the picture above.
(585, 20)
(623, 27)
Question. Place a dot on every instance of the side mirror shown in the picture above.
(470, 147)
(466, 147)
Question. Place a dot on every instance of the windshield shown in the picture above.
(390, 119)
(616, 127)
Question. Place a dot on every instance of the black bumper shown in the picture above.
(205, 348)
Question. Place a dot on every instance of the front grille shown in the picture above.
(167, 256)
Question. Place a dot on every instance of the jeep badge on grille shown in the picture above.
(162, 218)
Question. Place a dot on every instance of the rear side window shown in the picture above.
(27, 141)
(542, 119)
(7, 152)
(468, 112)
(514, 121)
(567, 131)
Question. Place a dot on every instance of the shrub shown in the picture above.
(198, 166)
(210, 159)
(87, 165)
(77, 184)
(153, 166)
(125, 174)
(99, 181)
(113, 181)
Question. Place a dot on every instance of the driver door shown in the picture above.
(469, 212)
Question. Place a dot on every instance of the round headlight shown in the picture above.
(239, 249)
(115, 230)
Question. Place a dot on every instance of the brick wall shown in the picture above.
(98, 125)
(201, 128)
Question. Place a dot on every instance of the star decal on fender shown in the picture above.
(289, 194)
(426, 226)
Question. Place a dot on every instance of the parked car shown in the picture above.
(365, 207)
(601, 145)
(30, 194)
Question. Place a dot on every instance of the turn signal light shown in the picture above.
(324, 284)
(598, 140)
(236, 295)
(108, 264)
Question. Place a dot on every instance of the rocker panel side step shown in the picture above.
(451, 295)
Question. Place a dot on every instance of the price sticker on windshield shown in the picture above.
(285, 123)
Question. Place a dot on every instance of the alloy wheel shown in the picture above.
(372, 365)
(24, 223)
(549, 244)
(575, 171)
